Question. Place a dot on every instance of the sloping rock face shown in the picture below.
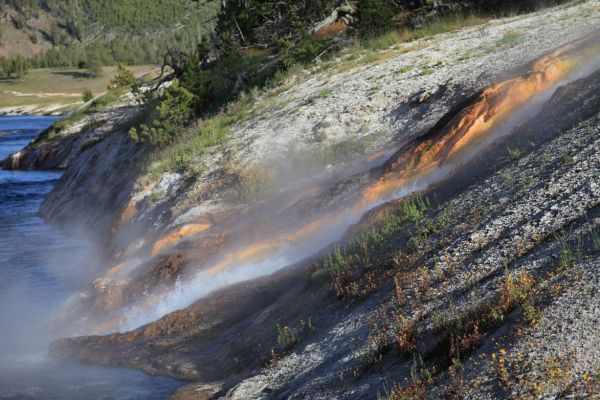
(131, 218)
(501, 234)
(520, 221)
(370, 106)
(109, 170)
(63, 142)
(513, 241)
(101, 164)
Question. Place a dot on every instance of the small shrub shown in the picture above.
(307, 51)
(374, 16)
(514, 154)
(566, 256)
(499, 360)
(87, 95)
(173, 112)
(286, 337)
(123, 77)
(567, 159)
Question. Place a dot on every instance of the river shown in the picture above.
(39, 269)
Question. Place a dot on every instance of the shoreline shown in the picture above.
(28, 111)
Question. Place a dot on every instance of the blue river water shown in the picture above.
(39, 269)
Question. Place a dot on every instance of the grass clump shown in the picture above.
(194, 142)
(350, 265)
(514, 154)
(510, 38)
(186, 148)
(252, 181)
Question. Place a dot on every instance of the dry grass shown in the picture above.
(56, 87)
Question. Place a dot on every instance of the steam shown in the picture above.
(501, 108)
(285, 253)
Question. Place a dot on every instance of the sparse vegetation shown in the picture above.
(510, 38)
(183, 153)
(514, 154)
(349, 264)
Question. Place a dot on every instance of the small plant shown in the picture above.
(325, 92)
(404, 69)
(566, 255)
(274, 358)
(567, 159)
(525, 182)
(123, 77)
(514, 154)
(405, 334)
(255, 181)
(421, 378)
(414, 208)
(454, 389)
(499, 360)
(370, 357)
(595, 236)
(286, 337)
(545, 159)
(510, 38)
(335, 261)
(173, 112)
(531, 313)
(427, 70)
(516, 291)
(87, 95)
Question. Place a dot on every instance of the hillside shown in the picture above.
(415, 215)
(65, 33)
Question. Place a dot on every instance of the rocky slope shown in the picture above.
(531, 222)
(468, 294)
(321, 117)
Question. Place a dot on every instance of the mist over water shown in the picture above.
(39, 269)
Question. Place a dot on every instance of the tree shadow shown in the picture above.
(75, 74)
